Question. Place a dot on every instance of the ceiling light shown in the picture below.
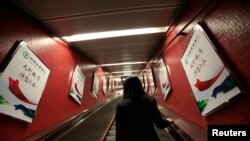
(127, 71)
(116, 33)
(125, 63)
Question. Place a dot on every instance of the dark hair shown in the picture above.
(133, 88)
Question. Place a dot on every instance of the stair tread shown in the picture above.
(112, 132)
(110, 138)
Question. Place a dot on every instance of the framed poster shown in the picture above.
(145, 81)
(113, 84)
(77, 85)
(95, 85)
(142, 80)
(164, 78)
(110, 84)
(22, 84)
(105, 85)
(208, 77)
(151, 81)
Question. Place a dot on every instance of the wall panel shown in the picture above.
(55, 104)
(228, 22)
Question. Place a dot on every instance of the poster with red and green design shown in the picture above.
(209, 79)
(164, 78)
(77, 85)
(22, 84)
(95, 87)
(105, 86)
(151, 81)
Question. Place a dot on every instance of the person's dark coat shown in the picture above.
(135, 119)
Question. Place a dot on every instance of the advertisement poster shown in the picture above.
(77, 85)
(110, 83)
(95, 85)
(145, 82)
(105, 85)
(209, 79)
(164, 78)
(142, 81)
(151, 81)
(22, 84)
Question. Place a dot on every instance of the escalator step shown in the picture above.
(110, 138)
(111, 133)
(113, 127)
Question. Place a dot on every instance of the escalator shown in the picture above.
(91, 127)
(164, 135)
(111, 133)
(98, 125)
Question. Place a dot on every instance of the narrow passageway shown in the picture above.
(63, 65)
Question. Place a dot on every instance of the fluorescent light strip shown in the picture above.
(127, 71)
(125, 63)
(116, 33)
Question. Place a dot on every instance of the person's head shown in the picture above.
(132, 87)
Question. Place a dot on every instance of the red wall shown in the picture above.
(55, 104)
(228, 22)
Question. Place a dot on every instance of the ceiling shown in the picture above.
(70, 17)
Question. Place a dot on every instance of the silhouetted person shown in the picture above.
(137, 113)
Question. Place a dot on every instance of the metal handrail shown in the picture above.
(171, 129)
(60, 129)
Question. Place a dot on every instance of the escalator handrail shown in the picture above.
(59, 129)
(172, 130)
